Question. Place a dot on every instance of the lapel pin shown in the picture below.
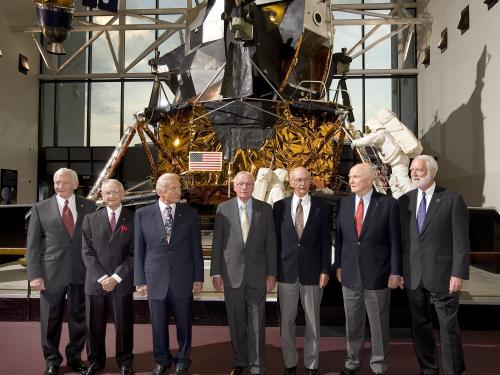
(438, 200)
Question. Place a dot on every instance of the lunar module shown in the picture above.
(250, 89)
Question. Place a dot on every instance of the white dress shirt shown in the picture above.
(428, 196)
(306, 206)
(366, 202)
(71, 205)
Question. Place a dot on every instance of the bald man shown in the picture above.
(168, 269)
(368, 255)
(56, 269)
(303, 232)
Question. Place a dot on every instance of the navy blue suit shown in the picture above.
(168, 270)
(306, 258)
(377, 251)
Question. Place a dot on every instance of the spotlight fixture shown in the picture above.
(55, 18)
(443, 42)
(23, 65)
(490, 3)
(464, 25)
(427, 57)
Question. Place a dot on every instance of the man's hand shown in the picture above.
(338, 273)
(197, 287)
(218, 283)
(323, 279)
(37, 284)
(456, 284)
(270, 283)
(108, 284)
(393, 282)
(142, 290)
(401, 282)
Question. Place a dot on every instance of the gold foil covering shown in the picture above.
(298, 141)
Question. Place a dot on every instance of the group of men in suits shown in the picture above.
(419, 243)
(94, 258)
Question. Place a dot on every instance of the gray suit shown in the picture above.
(244, 268)
(430, 258)
(56, 256)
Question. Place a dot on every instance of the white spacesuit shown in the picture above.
(390, 153)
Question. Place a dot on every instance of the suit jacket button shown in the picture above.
(358, 243)
(298, 245)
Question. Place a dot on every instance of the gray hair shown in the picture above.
(71, 172)
(112, 181)
(243, 173)
(161, 183)
(430, 162)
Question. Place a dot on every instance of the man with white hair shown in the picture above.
(168, 269)
(56, 269)
(108, 253)
(435, 228)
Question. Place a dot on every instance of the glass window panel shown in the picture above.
(347, 36)
(81, 168)
(408, 97)
(48, 92)
(354, 88)
(135, 99)
(378, 95)
(105, 114)
(71, 45)
(174, 3)
(346, 1)
(378, 57)
(135, 43)
(71, 113)
(102, 59)
(141, 4)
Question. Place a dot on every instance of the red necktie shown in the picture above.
(112, 222)
(67, 218)
(358, 218)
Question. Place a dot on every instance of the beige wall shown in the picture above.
(458, 99)
(19, 98)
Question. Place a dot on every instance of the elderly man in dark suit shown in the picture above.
(368, 262)
(168, 269)
(108, 254)
(56, 269)
(244, 267)
(435, 227)
(303, 232)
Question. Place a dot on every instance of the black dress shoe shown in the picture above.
(51, 370)
(77, 366)
(92, 369)
(237, 370)
(159, 369)
(290, 370)
(312, 371)
(349, 371)
(126, 370)
(181, 371)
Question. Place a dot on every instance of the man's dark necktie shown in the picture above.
(299, 219)
(112, 222)
(421, 212)
(358, 218)
(169, 223)
(67, 218)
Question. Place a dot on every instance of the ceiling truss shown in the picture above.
(398, 16)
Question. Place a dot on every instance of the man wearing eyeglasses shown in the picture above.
(243, 266)
(303, 231)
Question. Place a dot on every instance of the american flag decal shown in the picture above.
(205, 161)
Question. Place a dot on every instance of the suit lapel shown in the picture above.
(349, 209)
(120, 222)
(80, 212)
(433, 207)
(179, 212)
(311, 218)
(104, 219)
(254, 219)
(288, 215)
